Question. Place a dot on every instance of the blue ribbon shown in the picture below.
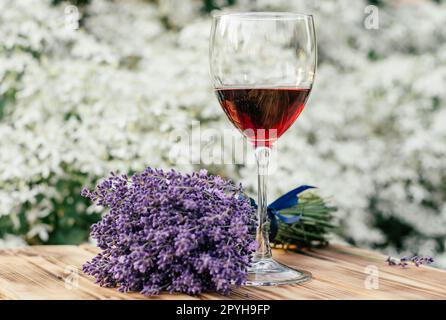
(288, 200)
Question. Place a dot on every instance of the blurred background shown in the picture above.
(91, 86)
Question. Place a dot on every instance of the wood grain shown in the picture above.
(43, 272)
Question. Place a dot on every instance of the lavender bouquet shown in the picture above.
(174, 232)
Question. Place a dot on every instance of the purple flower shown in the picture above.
(403, 261)
(174, 232)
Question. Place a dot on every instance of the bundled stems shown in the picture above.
(313, 227)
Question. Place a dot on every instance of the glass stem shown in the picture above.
(262, 236)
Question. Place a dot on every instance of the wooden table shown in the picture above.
(340, 272)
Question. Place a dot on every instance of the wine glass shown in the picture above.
(263, 66)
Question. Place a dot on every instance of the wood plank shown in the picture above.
(42, 272)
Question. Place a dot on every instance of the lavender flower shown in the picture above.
(403, 261)
(169, 231)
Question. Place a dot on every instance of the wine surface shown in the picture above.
(262, 114)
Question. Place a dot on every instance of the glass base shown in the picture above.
(268, 272)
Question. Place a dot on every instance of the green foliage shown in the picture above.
(376, 2)
(71, 224)
(7, 97)
(68, 220)
(209, 5)
(78, 3)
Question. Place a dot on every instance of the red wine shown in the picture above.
(263, 115)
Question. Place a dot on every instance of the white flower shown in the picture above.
(79, 104)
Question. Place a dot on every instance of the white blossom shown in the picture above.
(107, 97)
